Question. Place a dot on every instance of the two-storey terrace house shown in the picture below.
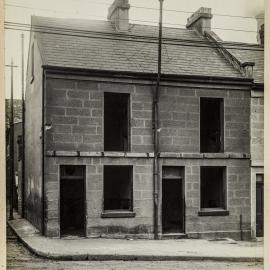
(89, 130)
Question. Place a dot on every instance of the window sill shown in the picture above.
(213, 212)
(118, 214)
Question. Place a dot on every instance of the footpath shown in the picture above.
(127, 249)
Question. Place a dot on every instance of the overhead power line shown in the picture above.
(149, 8)
(214, 28)
(118, 34)
(126, 37)
(73, 30)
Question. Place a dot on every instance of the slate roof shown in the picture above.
(102, 52)
(252, 53)
(96, 45)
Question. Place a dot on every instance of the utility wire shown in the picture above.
(125, 35)
(9, 23)
(150, 8)
(144, 21)
(68, 30)
(134, 38)
(74, 30)
(92, 15)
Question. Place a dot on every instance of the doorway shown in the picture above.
(173, 205)
(259, 206)
(72, 200)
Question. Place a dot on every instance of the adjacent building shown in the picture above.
(17, 155)
(89, 129)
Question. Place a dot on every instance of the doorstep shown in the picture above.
(173, 236)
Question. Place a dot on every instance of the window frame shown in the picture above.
(128, 148)
(215, 211)
(119, 213)
(222, 124)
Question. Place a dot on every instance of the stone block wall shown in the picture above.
(142, 223)
(257, 129)
(180, 119)
(237, 197)
(75, 109)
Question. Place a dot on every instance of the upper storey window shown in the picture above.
(116, 122)
(211, 125)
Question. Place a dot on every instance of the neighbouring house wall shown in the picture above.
(74, 108)
(17, 167)
(33, 140)
(256, 118)
(257, 148)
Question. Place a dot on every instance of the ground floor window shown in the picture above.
(118, 188)
(213, 188)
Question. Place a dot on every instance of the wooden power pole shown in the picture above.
(11, 144)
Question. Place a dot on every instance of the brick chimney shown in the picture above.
(118, 14)
(200, 20)
(260, 28)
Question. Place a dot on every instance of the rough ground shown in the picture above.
(20, 258)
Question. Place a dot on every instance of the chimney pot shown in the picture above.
(248, 67)
(200, 20)
(118, 14)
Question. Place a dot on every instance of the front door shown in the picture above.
(259, 209)
(72, 201)
(172, 200)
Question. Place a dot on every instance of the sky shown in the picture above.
(233, 20)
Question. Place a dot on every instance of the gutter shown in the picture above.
(147, 76)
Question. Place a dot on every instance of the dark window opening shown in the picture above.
(116, 122)
(20, 147)
(211, 125)
(118, 188)
(213, 187)
(72, 200)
